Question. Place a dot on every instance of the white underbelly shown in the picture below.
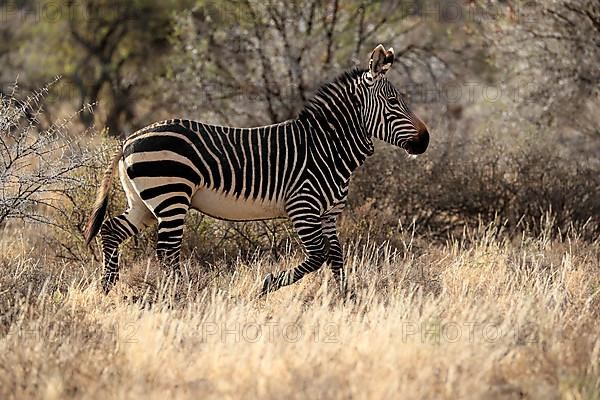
(225, 206)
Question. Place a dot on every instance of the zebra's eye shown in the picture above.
(393, 100)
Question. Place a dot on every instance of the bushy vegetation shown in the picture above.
(525, 185)
(492, 234)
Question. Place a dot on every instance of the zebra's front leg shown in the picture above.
(310, 232)
(335, 258)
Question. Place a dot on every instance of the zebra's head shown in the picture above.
(386, 115)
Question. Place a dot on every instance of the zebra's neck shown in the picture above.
(333, 120)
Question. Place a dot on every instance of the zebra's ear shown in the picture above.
(381, 60)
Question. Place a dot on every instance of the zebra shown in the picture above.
(299, 169)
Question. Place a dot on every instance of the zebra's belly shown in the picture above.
(228, 207)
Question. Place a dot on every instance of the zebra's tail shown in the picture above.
(101, 203)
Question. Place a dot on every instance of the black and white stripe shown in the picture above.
(298, 169)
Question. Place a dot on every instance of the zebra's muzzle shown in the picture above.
(417, 144)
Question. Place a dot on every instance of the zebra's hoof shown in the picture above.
(267, 284)
(107, 283)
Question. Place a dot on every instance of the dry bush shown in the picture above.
(36, 163)
(465, 182)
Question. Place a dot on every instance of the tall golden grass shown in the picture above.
(481, 316)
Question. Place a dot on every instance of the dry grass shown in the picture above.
(479, 317)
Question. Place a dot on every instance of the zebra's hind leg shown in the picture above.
(310, 231)
(170, 234)
(114, 232)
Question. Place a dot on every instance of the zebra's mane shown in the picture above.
(315, 103)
